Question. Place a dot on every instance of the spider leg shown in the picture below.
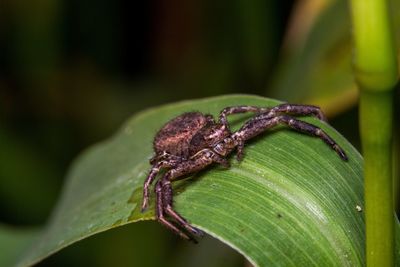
(161, 216)
(236, 110)
(240, 149)
(296, 109)
(215, 157)
(220, 160)
(149, 180)
(147, 183)
(264, 122)
(165, 194)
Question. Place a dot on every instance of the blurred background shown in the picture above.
(71, 72)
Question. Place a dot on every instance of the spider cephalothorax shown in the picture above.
(192, 141)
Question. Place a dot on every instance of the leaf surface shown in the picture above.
(291, 201)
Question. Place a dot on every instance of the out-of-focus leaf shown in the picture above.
(318, 68)
(291, 201)
(13, 242)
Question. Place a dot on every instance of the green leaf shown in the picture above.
(318, 68)
(13, 242)
(291, 202)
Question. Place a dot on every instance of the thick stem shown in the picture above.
(375, 68)
(376, 135)
(375, 58)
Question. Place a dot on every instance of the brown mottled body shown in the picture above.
(192, 141)
(174, 137)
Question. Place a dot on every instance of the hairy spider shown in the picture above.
(192, 141)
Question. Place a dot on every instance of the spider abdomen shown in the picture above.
(175, 136)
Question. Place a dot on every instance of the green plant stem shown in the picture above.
(375, 63)
(376, 73)
(376, 129)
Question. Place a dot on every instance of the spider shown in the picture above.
(192, 141)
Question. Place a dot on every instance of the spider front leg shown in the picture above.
(236, 110)
(147, 183)
(150, 178)
(296, 109)
(164, 199)
(165, 194)
(160, 210)
(263, 122)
